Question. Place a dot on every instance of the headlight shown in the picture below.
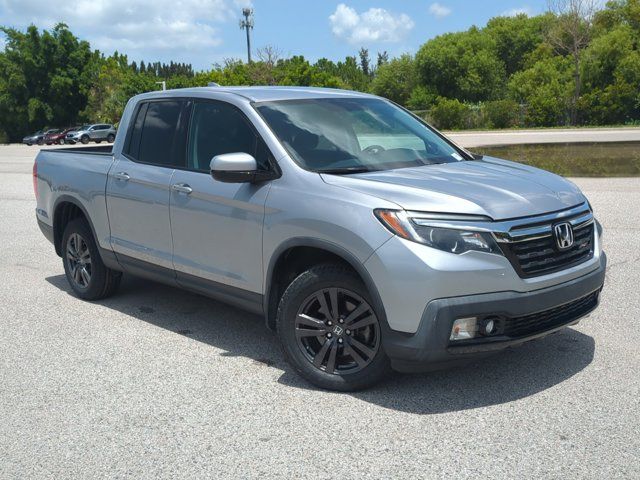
(451, 240)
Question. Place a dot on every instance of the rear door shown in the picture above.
(138, 186)
(216, 226)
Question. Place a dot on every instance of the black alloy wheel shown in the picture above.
(337, 331)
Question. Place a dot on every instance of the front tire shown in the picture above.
(111, 138)
(330, 331)
(85, 139)
(87, 275)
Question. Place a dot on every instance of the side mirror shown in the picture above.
(237, 168)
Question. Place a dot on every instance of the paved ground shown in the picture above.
(552, 135)
(159, 383)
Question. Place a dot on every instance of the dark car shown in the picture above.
(37, 137)
(58, 136)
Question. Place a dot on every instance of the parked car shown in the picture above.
(58, 137)
(34, 139)
(92, 133)
(366, 239)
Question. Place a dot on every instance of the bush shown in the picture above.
(421, 98)
(501, 113)
(450, 114)
(4, 138)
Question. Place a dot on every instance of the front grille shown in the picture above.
(541, 255)
(539, 322)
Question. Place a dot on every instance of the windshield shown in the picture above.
(350, 135)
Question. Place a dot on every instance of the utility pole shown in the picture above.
(163, 83)
(247, 24)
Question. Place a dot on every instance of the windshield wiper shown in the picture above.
(345, 170)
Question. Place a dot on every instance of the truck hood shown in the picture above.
(492, 187)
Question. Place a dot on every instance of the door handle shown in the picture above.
(124, 176)
(181, 188)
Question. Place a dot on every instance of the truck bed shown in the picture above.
(77, 175)
(92, 150)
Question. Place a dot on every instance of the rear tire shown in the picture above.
(87, 275)
(330, 331)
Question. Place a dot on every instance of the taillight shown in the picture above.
(35, 179)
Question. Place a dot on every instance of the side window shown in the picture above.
(132, 144)
(156, 136)
(217, 128)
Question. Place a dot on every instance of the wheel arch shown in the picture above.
(67, 208)
(319, 251)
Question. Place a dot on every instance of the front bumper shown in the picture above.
(429, 347)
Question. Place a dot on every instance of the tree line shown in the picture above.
(574, 65)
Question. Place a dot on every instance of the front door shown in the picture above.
(139, 184)
(216, 226)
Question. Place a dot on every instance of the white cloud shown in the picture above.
(438, 10)
(143, 29)
(374, 25)
(526, 10)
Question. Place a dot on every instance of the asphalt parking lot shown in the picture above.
(159, 383)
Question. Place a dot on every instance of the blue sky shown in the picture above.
(206, 31)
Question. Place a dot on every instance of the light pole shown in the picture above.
(163, 83)
(247, 24)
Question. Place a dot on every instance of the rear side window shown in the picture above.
(157, 134)
(217, 128)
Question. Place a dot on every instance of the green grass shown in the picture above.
(611, 159)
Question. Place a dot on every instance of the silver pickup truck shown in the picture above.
(367, 239)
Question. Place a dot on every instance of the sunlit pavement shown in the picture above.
(160, 383)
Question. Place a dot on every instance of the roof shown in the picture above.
(265, 94)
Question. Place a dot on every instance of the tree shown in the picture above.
(570, 35)
(364, 61)
(396, 79)
(383, 57)
(545, 90)
(44, 79)
(351, 75)
(517, 37)
(263, 71)
(462, 65)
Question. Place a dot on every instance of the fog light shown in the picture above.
(464, 328)
(488, 326)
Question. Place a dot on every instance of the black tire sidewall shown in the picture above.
(85, 139)
(307, 283)
(98, 269)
